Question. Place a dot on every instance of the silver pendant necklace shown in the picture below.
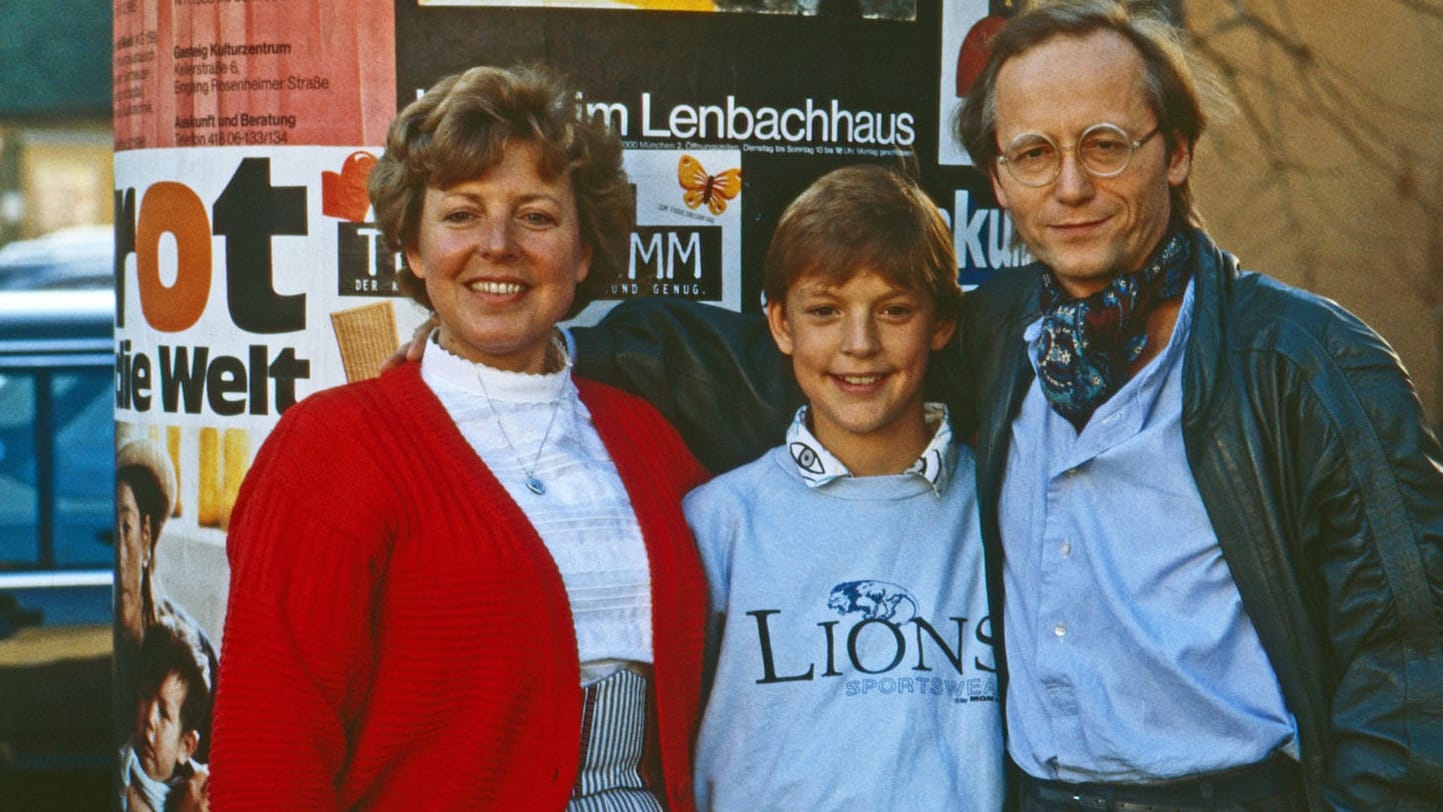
(532, 482)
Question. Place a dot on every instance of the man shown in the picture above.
(1216, 503)
(1212, 511)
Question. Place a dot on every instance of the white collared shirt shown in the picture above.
(818, 466)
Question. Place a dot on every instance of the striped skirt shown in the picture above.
(618, 758)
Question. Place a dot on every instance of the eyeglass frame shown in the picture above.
(1134, 143)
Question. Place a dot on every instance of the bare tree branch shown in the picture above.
(1329, 140)
(1422, 7)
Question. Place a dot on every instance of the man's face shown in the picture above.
(161, 740)
(1086, 229)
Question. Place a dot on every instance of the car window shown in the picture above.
(56, 468)
(19, 502)
(84, 468)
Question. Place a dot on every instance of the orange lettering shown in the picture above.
(174, 208)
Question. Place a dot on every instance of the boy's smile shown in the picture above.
(859, 352)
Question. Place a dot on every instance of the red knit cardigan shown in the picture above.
(398, 636)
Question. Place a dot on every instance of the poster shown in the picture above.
(250, 276)
(241, 134)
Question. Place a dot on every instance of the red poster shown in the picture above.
(253, 72)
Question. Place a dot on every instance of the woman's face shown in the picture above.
(501, 256)
(132, 539)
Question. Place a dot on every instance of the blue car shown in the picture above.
(57, 492)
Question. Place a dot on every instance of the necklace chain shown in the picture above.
(533, 484)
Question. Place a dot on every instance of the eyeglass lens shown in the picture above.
(1036, 159)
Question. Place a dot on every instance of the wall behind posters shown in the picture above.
(250, 276)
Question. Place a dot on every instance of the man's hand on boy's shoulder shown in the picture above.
(714, 373)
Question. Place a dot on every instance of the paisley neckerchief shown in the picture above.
(1086, 345)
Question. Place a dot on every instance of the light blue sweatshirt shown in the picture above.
(850, 652)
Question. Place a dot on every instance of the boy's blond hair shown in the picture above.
(865, 216)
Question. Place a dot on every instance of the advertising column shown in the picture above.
(243, 134)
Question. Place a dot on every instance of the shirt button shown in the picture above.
(1060, 630)
(1066, 548)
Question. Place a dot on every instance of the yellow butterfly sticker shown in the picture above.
(714, 190)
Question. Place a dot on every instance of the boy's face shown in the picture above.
(859, 351)
(161, 740)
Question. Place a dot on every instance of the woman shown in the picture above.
(468, 583)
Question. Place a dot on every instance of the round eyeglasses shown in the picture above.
(1104, 150)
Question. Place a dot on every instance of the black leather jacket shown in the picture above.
(1307, 442)
(1325, 490)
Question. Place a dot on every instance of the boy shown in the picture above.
(174, 699)
(849, 653)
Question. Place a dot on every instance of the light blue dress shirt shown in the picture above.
(1131, 658)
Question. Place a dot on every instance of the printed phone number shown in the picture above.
(232, 139)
